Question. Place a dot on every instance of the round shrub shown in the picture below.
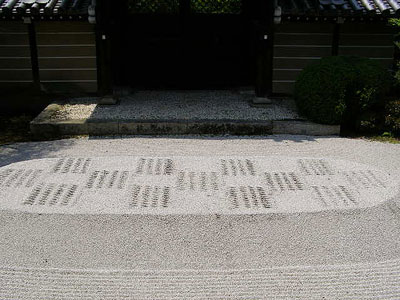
(339, 88)
(392, 117)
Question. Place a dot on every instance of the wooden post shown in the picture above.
(335, 40)
(264, 28)
(184, 67)
(184, 8)
(34, 54)
(103, 49)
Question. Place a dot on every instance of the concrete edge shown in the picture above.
(46, 114)
(98, 127)
(42, 126)
(297, 127)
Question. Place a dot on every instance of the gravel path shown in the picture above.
(330, 254)
(177, 105)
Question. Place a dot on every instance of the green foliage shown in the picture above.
(197, 6)
(150, 7)
(396, 23)
(14, 128)
(392, 118)
(216, 6)
(339, 88)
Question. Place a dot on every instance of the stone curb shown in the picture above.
(82, 127)
(43, 126)
(297, 127)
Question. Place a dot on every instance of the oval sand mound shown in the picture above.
(191, 185)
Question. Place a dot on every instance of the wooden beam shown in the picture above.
(103, 50)
(34, 55)
(264, 28)
(335, 40)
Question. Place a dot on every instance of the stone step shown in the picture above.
(175, 113)
(179, 127)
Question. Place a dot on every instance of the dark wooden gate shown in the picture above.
(183, 44)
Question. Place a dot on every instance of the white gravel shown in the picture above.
(190, 185)
(334, 254)
(177, 105)
(75, 109)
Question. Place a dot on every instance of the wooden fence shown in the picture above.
(66, 56)
(67, 52)
(300, 44)
(15, 57)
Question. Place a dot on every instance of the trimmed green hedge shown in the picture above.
(392, 117)
(340, 88)
(197, 6)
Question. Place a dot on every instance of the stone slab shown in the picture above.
(304, 128)
(195, 112)
(152, 128)
(102, 127)
(108, 100)
(261, 100)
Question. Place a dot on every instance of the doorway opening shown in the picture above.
(184, 44)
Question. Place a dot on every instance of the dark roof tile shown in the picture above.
(44, 7)
(340, 7)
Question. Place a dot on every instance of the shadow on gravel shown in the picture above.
(275, 138)
(12, 153)
(16, 152)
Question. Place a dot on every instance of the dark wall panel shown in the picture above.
(296, 46)
(67, 56)
(300, 44)
(62, 51)
(15, 63)
(14, 38)
(294, 62)
(302, 51)
(65, 38)
(16, 75)
(283, 87)
(67, 74)
(368, 51)
(286, 74)
(300, 38)
(362, 39)
(14, 51)
(64, 27)
(369, 41)
(15, 60)
(70, 86)
(76, 62)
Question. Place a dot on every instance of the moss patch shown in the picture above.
(15, 129)
(385, 139)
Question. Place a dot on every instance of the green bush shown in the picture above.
(392, 117)
(340, 89)
(396, 23)
(197, 6)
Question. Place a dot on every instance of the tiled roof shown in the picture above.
(43, 7)
(340, 7)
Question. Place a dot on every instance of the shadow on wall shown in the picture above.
(25, 100)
